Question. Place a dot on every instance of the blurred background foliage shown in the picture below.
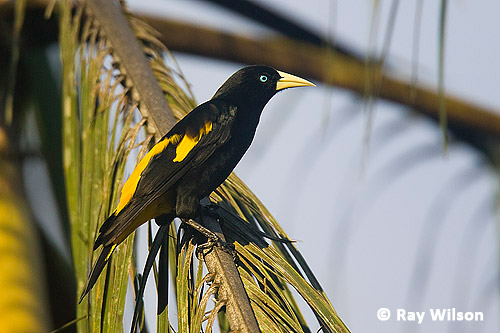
(71, 107)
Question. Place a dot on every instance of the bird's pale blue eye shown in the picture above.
(263, 78)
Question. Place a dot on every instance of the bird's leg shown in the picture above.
(213, 239)
(204, 249)
(211, 210)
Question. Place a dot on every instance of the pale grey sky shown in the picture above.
(379, 225)
(391, 242)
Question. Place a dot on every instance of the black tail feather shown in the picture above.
(103, 230)
(163, 276)
(155, 247)
(97, 268)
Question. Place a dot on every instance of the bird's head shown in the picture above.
(255, 85)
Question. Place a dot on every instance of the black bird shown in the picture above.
(193, 158)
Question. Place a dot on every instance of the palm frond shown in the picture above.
(96, 107)
(96, 82)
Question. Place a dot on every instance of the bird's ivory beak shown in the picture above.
(290, 81)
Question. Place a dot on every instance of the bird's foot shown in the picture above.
(212, 240)
(204, 249)
(212, 237)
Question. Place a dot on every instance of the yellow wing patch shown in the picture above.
(187, 143)
(130, 186)
(184, 146)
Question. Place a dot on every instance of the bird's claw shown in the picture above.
(212, 240)
(212, 237)
(204, 249)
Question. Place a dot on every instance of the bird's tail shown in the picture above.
(105, 229)
(97, 268)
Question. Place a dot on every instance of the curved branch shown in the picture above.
(315, 62)
(131, 57)
(470, 121)
(239, 312)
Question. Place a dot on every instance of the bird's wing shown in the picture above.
(210, 130)
(187, 145)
